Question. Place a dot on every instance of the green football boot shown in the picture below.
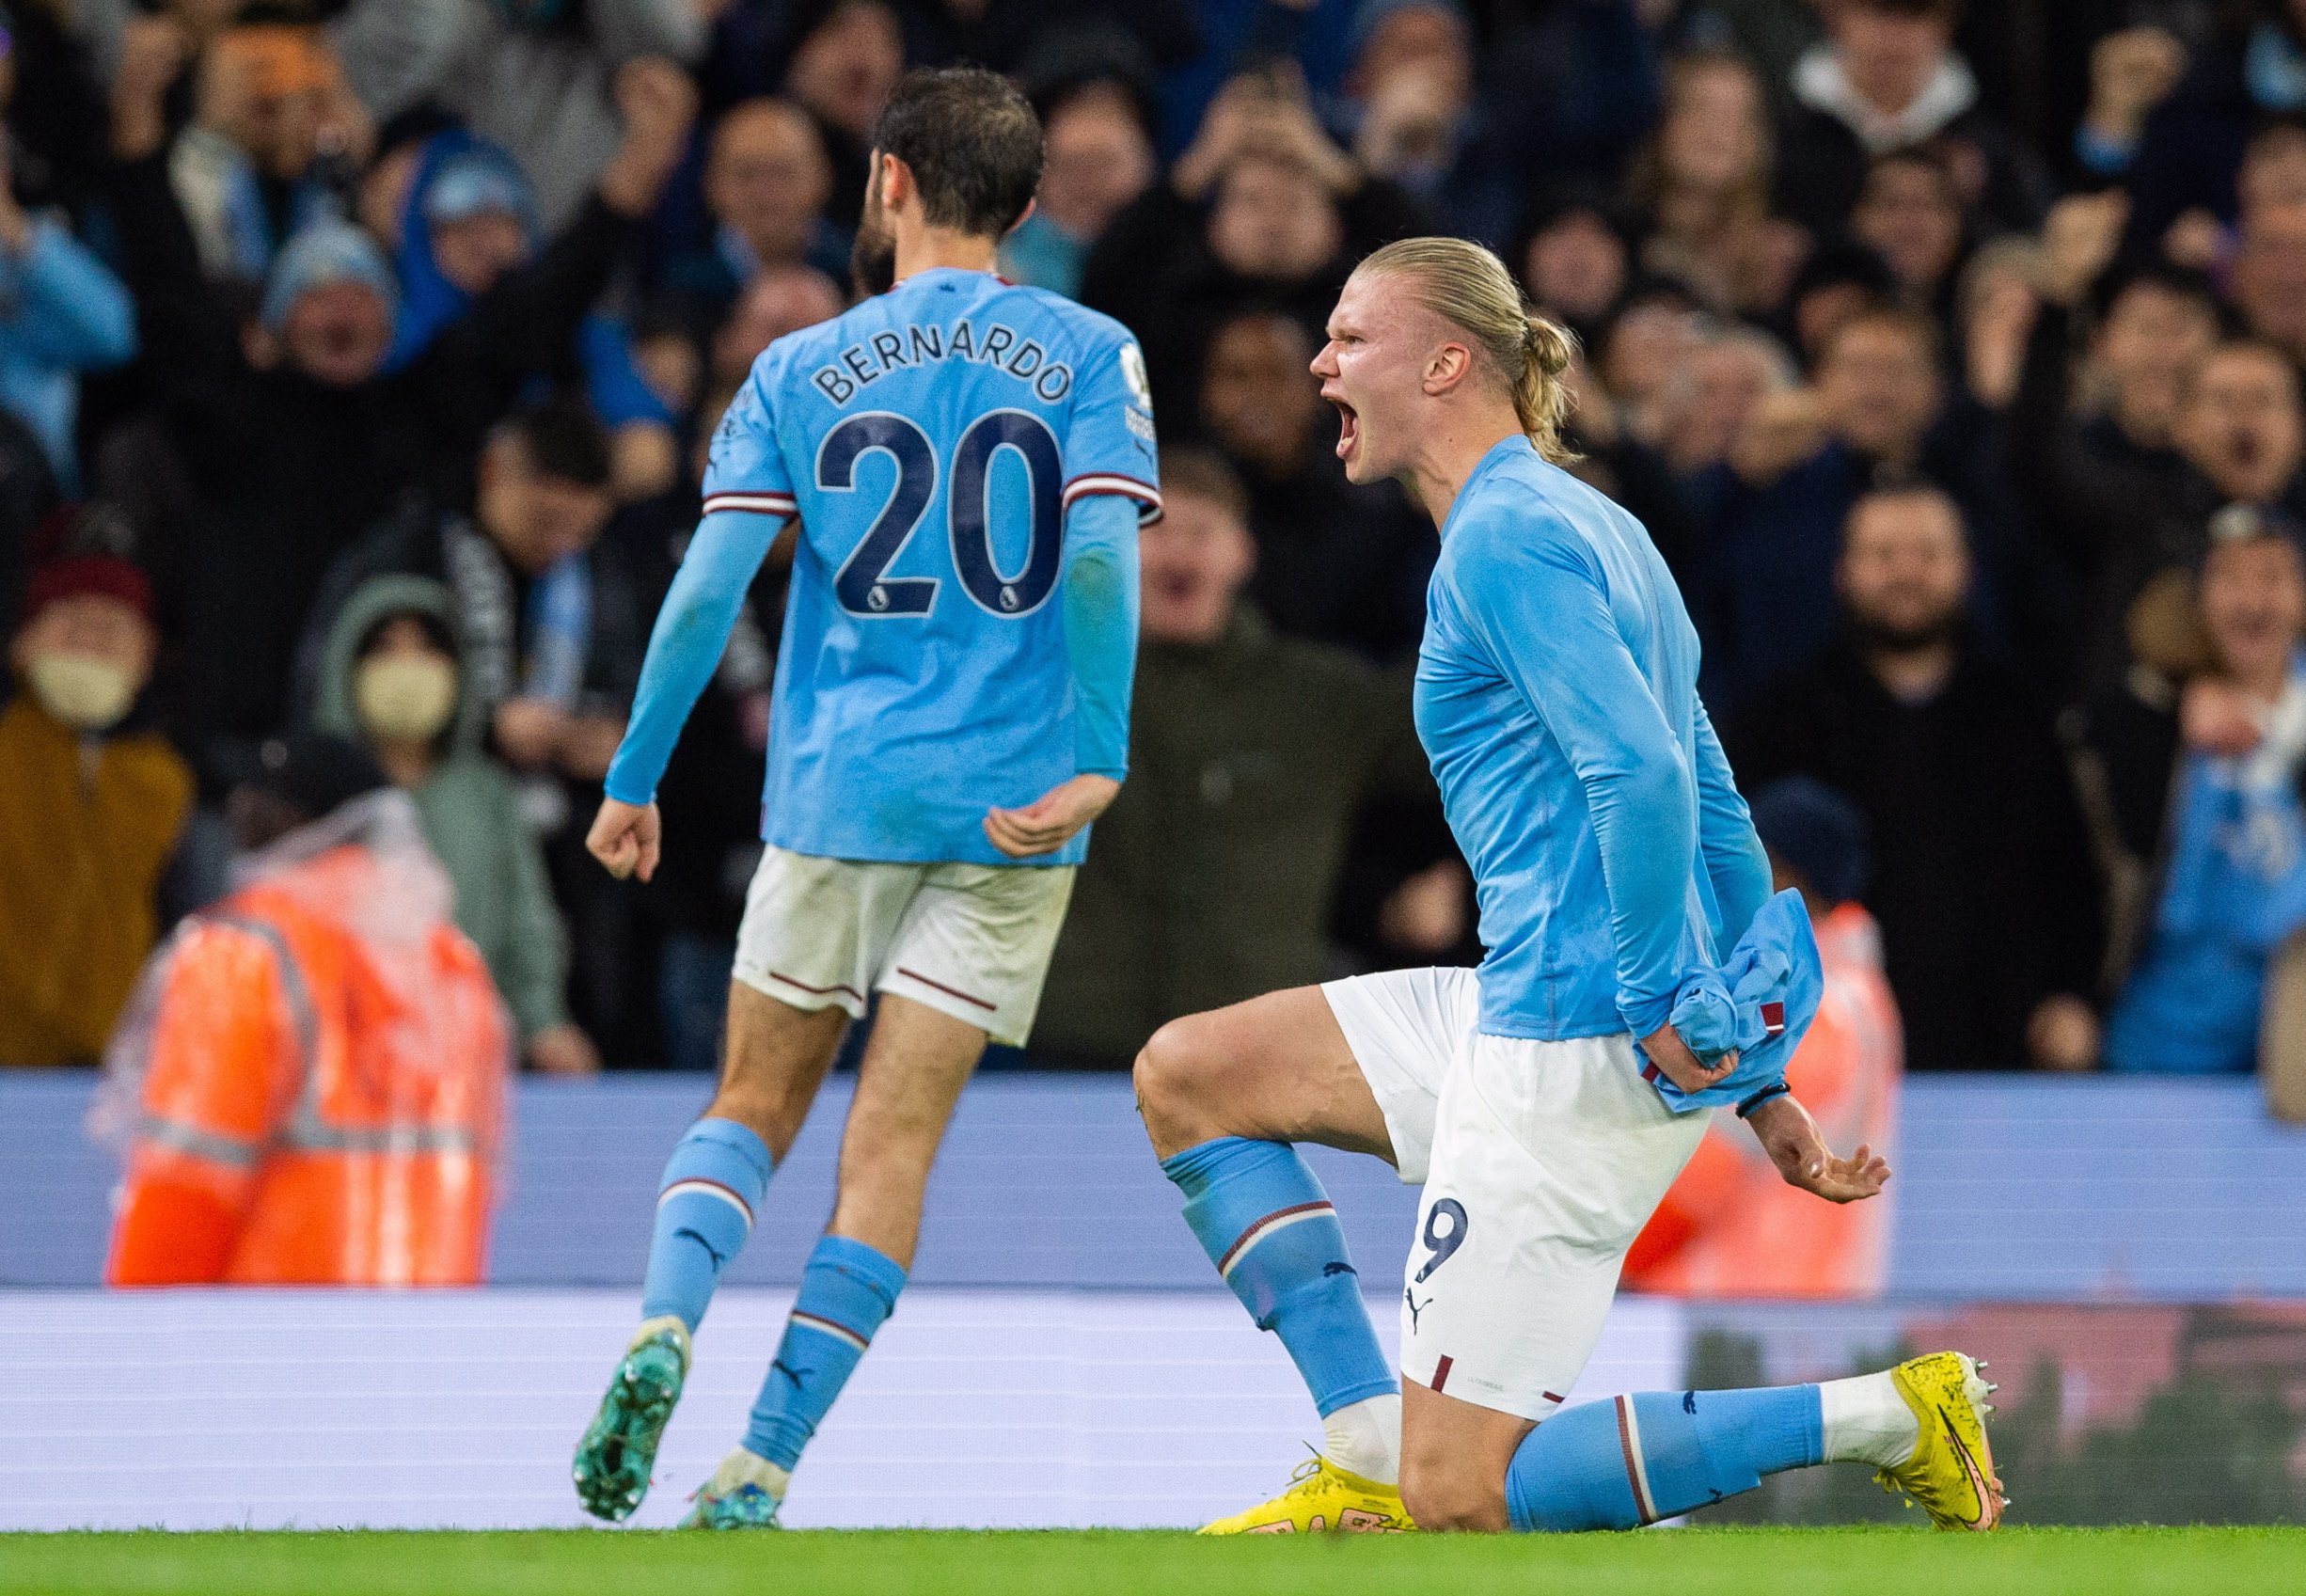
(620, 1444)
(744, 1493)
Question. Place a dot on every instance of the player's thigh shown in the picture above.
(1276, 1068)
(1356, 1063)
(1548, 1158)
(813, 935)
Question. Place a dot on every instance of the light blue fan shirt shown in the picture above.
(969, 461)
(1557, 699)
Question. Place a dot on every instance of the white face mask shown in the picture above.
(405, 696)
(85, 692)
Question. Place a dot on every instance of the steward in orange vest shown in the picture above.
(310, 1079)
(1729, 1226)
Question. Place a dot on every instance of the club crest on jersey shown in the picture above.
(1026, 360)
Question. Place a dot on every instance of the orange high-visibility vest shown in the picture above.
(1731, 1227)
(303, 1120)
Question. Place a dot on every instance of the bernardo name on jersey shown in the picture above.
(934, 442)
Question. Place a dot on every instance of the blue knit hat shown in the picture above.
(1817, 831)
(324, 252)
(479, 181)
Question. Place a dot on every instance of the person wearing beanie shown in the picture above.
(90, 809)
(1731, 1227)
(290, 426)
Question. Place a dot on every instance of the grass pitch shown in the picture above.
(1685, 1562)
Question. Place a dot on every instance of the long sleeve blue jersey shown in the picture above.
(969, 461)
(1557, 699)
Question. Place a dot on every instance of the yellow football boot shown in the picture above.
(1321, 1497)
(1951, 1475)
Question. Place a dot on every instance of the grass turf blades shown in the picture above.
(1683, 1562)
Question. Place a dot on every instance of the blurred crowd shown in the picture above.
(358, 357)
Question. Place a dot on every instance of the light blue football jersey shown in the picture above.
(1558, 700)
(932, 441)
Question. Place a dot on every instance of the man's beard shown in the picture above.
(873, 259)
(1877, 636)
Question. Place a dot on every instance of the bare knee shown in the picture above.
(1442, 1495)
(1176, 1075)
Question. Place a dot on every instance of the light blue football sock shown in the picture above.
(1634, 1460)
(846, 1292)
(704, 1206)
(1266, 1224)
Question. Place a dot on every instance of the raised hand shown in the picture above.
(658, 105)
(2078, 241)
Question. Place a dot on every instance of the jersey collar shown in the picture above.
(1502, 450)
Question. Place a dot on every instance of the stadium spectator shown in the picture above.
(1261, 209)
(1573, 257)
(2269, 276)
(1909, 211)
(62, 312)
(391, 681)
(308, 1087)
(1643, 353)
(1098, 159)
(553, 82)
(782, 300)
(1983, 879)
(275, 132)
(1839, 280)
(1702, 184)
(1335, 564)
(1413, 121)
(767, 183)
(548, 616)
(1888, 79)
(1731, 1227)
(2092, 446)
(1213, 873)
(91, 805)
(468, 223)
(845, 57)
(278, 442)
(1727, 377)
(2204, 788)
(1776, 511)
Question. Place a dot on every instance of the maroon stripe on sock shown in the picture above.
(733, 1195)
(1633, 1468)
(1242, 1241)
(1550, 1398)
(1441, 1373)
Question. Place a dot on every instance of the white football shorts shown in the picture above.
(1542, 1161)
(971, 940)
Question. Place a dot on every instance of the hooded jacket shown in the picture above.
(470, 811)
(308, 1084)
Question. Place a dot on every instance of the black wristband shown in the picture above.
(1776, 1090)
